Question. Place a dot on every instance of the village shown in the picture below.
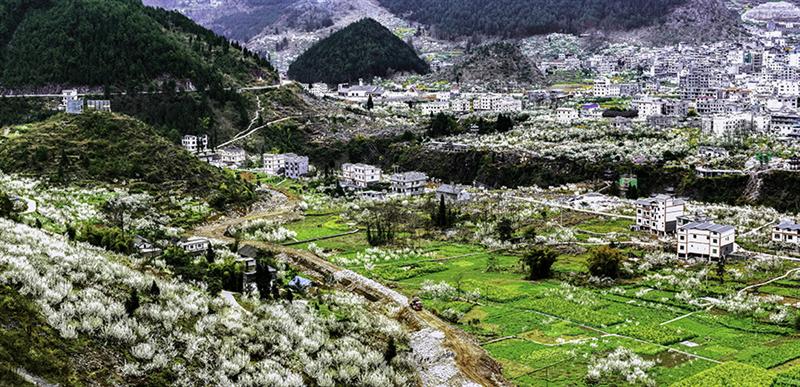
(630, 216)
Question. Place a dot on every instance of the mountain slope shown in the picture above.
(112, 148)
(114, 43)
(364, 49)
(519, 18)
(696, 21)
(496, 65)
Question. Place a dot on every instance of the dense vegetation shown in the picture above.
(113, 148)
(114, 43)
(516, 18)
(364, 49)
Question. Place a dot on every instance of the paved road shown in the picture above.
(245, 134)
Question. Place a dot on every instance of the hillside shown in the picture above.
(115, 149)
(496, 66)
(696, 21)
(115, 43)
(519, 18)
(364, 49)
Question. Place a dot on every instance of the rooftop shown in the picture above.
(707, 226)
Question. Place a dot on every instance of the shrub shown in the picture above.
(109, 238)
(605, 262)
(538, 262)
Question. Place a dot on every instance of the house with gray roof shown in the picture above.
(706, 240)
(453, 193)
(786, 232)
(409, 183)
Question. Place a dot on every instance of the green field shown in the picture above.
(545, 335)
(551, 332)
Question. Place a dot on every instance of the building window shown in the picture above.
(714, 251)
(680, 247)
(713, 241)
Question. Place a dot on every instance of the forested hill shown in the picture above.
(114, 43)
(106, 147)
(518, 18)
(364, 49)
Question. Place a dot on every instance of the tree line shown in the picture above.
(519, 18)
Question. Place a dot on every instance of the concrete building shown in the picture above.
(194, 245)
(460, 105)
(507, 105)
(647, 107)
(359, 176)
(409, 183)
(232, 155)
(486, 102)
(566, 116)
(286, 164)
(435, 107)
(319, 89)
(101, 105)
(195, 144)
(453, 193)
(706, 240)
(786, 232)
(71, 103)
(659, 214)
(359, 92)
(721, 125)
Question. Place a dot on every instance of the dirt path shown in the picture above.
(788, 273)
(474, 363)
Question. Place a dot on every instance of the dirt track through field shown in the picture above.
(473, 361)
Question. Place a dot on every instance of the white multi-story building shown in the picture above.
(487, 102)
(71, 103)
(706, 240)
(285, 164)
(460, 105)
(409, 183)
(359, 175)
(507, 105)
(195, 144)
(659, 214)
(194, 245)
(101, 105)
(435, 107)
(232, 155)
(726, 124)
(566, 115)
(603, 88)
(786, 232)
(647, 107)
(319, 89)
(784, 123)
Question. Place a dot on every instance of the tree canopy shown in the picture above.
(519, 18)
(113, 43)
(364, 49)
